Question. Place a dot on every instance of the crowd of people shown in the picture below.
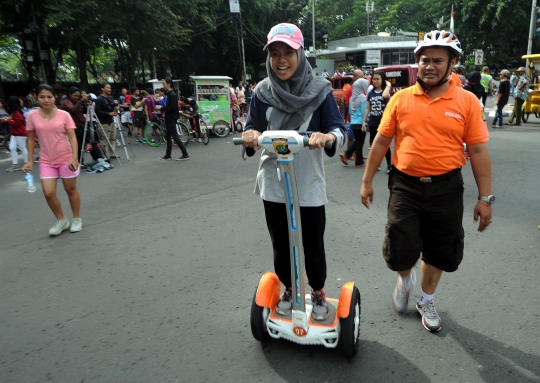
(83, 122)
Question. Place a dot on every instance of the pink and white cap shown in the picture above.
(289, 34)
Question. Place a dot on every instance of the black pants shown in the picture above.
(313, 224)
(484, 98)
(173, 133)
(360, 138)
(79, 133)
(372, 134)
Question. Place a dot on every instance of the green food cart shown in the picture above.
(212, 95)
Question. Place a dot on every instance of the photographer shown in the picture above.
(106, 110)
(73, 104)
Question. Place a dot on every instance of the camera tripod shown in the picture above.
(119, 127)
(91, 119)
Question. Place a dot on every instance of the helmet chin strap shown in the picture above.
(426, 88)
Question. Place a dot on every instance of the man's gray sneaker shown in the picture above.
(183, 158)
(59, 227)
(76, 225)
(400, 299)
(285, 303)
(430, 319)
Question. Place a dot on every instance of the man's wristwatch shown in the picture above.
(489, 199)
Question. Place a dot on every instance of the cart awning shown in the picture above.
(531, 57)
(210, 77)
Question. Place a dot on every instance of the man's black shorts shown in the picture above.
(424, 218)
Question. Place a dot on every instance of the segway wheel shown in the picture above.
(258, 327)
(350, 327)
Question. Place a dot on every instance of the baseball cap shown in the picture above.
(505, 72)
(522, 69)
(289, 34)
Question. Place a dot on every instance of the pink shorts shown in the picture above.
(57, 171)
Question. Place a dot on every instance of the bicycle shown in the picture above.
(205, 137)
(154, 132)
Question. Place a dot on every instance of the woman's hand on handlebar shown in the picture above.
(318, 139)
(250, 138)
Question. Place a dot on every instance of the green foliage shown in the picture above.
(121, 39)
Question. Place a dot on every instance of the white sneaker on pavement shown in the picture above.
(430, 319)
(400, 299)
(76, 225)
(59, 227)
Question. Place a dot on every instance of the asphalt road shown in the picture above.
(158, 285)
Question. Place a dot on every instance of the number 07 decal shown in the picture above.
(299, 331)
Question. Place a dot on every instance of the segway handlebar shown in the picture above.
(327, 145)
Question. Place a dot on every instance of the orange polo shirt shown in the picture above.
(456, 80)
(429, 134)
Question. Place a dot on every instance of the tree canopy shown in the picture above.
(132, 41)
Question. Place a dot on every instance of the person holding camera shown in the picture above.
(106, 110)
(73, 104)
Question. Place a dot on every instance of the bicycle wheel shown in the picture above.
(153, 134)
(204, 132)
(221, 128)
(239, 127)
(183, 132)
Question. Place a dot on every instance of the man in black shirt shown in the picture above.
(502, 98)
(106, 110)
(171, 116)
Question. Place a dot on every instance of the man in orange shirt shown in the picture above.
(429, 121)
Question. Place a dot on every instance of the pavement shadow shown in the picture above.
(497, 362)
(373, 363)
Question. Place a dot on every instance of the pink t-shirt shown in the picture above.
(52, 136)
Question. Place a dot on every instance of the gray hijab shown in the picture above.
(358, 93)
(294, 100)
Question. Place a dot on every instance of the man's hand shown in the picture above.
(482, 210)
(366, 194)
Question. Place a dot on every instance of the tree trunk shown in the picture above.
(142, 68)
(82, 56)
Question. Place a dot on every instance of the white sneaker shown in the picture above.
(430, 319)
(59, 227)
(76, 225)
(400, 299)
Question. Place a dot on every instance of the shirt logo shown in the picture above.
(452, 114)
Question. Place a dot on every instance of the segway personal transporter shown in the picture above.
(343, 323)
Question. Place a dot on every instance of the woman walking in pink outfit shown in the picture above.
(58, 158)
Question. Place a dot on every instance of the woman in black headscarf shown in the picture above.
(473, 84)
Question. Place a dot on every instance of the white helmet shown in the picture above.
(442, 39)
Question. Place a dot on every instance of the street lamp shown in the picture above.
(368, 11)
(313, 25)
